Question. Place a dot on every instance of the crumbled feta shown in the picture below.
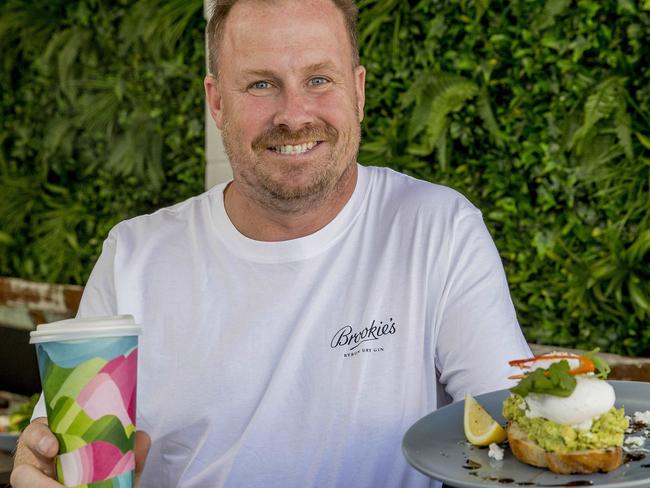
(642, 417)
(634, 441)
(495, 452)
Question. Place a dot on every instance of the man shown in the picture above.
(300, 318)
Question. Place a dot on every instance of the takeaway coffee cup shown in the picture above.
(88, 369)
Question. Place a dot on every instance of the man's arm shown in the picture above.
(37, 446)
(478, 332)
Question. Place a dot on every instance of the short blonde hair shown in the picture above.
(221, 8)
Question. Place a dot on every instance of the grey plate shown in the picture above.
(8, 441)
(435, 445)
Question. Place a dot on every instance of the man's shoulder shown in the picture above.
(405, 191)
(169, 219)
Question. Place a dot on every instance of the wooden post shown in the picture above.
(217, 166)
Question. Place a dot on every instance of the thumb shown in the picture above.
(142, 444)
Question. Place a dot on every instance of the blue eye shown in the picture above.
(261, 85)
(318, 81)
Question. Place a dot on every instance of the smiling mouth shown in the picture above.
(294, 149)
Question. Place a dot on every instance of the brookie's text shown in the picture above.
(346, 336)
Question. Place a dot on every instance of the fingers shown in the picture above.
(34, 460)
(39, 439)
(28, 476)
(142, 444)
(37, 447)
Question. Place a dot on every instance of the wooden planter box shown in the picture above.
(23, 305)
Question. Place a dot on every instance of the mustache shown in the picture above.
(281, 136)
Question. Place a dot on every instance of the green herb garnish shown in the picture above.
(556, 380)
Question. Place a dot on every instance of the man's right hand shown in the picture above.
(37, 448)
(34, 460)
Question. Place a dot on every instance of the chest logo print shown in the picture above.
(346, 337)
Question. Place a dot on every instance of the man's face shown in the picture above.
(288, 100)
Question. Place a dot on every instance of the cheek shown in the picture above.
(338, 109)
(248, 117)
(258, 110)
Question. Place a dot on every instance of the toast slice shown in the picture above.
(584, 462)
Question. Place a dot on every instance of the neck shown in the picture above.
(265, 224)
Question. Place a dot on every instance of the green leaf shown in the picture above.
(607, 97)
(67, 59)
(552, 9)
(160, 23)
(5, 238)
(640, 295)
(435, 96)
(555, 380)
(623, 123)
(21, 416)
(602, 367)
(481, 7)
(640, 247)
(487, 115)
(644, 140)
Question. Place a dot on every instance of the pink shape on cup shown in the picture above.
(124, 465)
(112, 390)
(123, 370)
(95, 462)
(101, 397)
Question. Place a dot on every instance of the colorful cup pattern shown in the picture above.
(90, 394)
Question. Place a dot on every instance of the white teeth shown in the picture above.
(299, 149)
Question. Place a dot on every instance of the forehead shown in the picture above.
(289, 31)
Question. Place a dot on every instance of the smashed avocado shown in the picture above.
(606, 431)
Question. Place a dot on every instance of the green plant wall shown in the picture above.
(538, 111)
(101, 119)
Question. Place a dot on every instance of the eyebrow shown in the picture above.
(316, 67)
(324, 66)
(259, 73)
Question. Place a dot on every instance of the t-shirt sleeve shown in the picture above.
(98, 297)
(478, 331)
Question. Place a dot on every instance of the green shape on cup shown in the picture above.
(62, 414)
(68, 443)
(110, 429)
(69, 381)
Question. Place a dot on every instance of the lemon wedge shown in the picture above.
(480, 428)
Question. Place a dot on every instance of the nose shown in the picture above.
(294, 109)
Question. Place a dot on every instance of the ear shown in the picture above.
(360, 86)
(213, 96)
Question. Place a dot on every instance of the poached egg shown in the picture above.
(591, 398)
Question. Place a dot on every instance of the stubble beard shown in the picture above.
(273, 194)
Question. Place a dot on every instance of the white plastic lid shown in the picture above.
(86, 328)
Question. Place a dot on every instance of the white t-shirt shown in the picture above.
(302, 363)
